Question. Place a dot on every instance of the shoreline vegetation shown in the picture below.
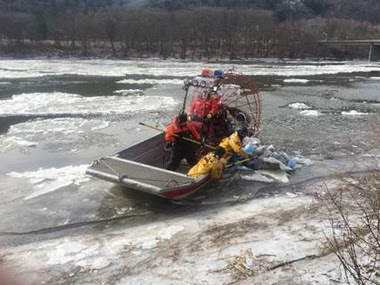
(185, 29)
(103, 50)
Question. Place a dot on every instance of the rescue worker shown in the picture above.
(204, 108)
(233, 143)
(206, 105)
(203, 111)
(212, 163)
(179, 148)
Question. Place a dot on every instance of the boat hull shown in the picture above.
(139, 167)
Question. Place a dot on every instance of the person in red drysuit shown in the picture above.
(179, 148)
(203, 110)
(204, 107)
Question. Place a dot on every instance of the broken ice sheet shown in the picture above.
(268, 176)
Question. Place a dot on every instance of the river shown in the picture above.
(57, 116)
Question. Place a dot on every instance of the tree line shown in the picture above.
(197, 29)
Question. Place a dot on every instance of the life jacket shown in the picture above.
(208, 164)
(217, 168)
(175, 129)
(233, 144)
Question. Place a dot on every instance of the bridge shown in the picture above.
(374, 46)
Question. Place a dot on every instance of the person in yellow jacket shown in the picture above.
(233, 143)
(212, 163)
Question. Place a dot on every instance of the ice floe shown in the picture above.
(296, 80)
(310, 113)
(7, 141)
(299, 106)
(267, 176)
(58, 130)
(150, 81)
(128, 91)
(51, 179)
(64, 126)
(73, 104)
(291, 195)
(353, 113)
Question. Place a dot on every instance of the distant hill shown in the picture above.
(361, 10)
(61, 5)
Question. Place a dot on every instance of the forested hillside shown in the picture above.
(362, 10)
(185, 28)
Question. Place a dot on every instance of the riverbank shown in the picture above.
(103, 50)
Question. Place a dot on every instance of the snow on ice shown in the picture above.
(39, 68)
(201, 248)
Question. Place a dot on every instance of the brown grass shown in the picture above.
(354, 216)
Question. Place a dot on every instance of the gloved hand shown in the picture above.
(168, 146)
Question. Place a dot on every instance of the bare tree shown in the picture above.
(222, 29)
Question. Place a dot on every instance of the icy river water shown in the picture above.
(57, 116)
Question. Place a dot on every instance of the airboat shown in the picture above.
(142, 166)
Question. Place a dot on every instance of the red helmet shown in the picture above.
(207, 72)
